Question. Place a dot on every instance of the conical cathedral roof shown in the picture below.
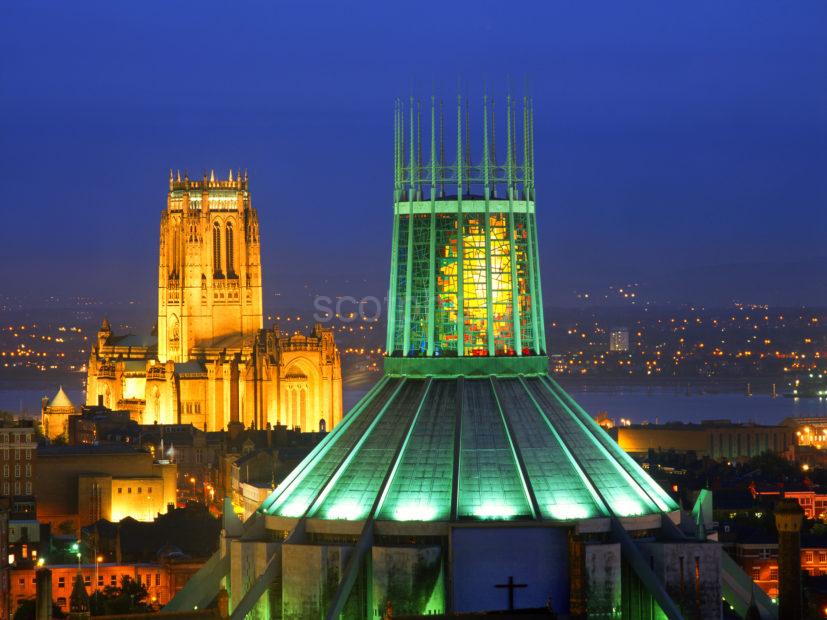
(61, 399)
(495, 448)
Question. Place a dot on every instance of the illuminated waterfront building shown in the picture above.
(211, 362)
(467, 480)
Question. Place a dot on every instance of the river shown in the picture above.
(638, 403)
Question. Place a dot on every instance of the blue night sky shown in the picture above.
(683, 145)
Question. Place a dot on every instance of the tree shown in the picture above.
(26, 610)
(128, 598)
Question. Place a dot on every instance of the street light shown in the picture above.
(76, 549)
(98, 560)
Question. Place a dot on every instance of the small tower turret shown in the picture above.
(104, 333)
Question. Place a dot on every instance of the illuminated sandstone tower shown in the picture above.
(211, 363)
(209, 267)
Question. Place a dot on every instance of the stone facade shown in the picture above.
(211, 362)
(80, 485)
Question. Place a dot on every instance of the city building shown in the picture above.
(210, 361)
(78, 485)
(196, 454)
(190, 533)
(717, 439)
(162, 580)
(6, 558)
(466, 480)
(18, 443)
(619, 340)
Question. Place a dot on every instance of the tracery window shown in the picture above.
(216, 249)
(229, 250)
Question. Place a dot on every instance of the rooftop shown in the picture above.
(417, 449)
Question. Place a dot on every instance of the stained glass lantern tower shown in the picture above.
(465, 275)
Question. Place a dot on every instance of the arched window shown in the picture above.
(174, 266)
(230, 269)
(216, 249)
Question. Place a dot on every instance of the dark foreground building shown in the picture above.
(467, 480)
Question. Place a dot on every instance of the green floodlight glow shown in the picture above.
(294, 509)
(415, 512)
(627, 508)
(347, 510)
(75, 547)
(565, 512)
(494, 510)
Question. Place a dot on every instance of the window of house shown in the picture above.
(17, 487)
(22, 581)
(808, 557)
(120, 490)
(87, 580)
(28, 454)
(28, 488)
(113, 579)
(149, 490)
(139, 490)
(100, 581)
(61, 601)
(6, 470)
(774, 573)
(61, 582)
(17, 470)
(157, 579)
(28, 470)
(5, 488)
(17, 454)
(129, 490)
(28, 437)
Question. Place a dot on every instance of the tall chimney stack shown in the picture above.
(43, 596)
(788, 518)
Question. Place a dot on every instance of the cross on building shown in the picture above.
(511, 587)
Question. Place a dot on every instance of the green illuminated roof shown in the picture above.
(456, 449)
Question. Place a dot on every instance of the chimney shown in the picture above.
(43, 598)
(788, 518)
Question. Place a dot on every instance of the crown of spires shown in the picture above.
(235, 179)
(513, 172)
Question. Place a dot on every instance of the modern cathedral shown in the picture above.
(210, 361)
(467, 481)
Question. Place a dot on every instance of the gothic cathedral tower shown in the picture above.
(209, 268)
